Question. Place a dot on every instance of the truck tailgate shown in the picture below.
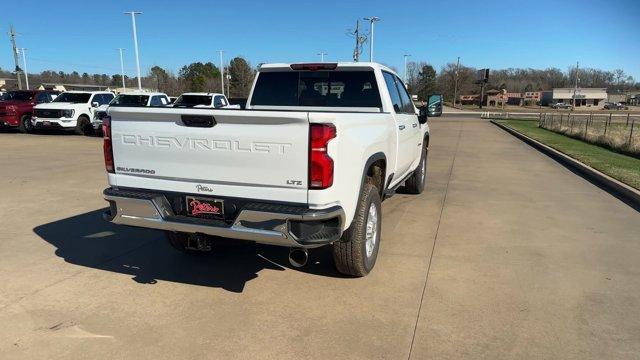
(247, 154)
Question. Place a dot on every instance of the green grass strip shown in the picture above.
(620, 167)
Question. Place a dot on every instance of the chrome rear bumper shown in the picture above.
(260, 222)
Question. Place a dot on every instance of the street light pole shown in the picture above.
(405, 67)
(135, 42)
(124, 85)
(575, 88)
(322, 54)
(221, 72)
(24, 61)
(371, 20)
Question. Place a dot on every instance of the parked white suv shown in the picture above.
(306, 164)
(203, 100)
(133, 99)
(70, 110)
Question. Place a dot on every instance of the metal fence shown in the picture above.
(618, 131)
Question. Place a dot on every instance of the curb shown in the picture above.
(620, 190)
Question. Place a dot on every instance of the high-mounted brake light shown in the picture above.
(314, 66)
(320, 163)
(107, 144)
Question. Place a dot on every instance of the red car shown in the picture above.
(16, 107)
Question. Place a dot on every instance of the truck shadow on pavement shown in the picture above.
(88, 240)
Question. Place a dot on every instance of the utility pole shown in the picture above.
(372, 20)
(228, 84)
(12, 35)
(322, 54)
(135, 42)
(124, 85)
(405, 67)
(23, 51)
(221, 72)
(455, 86)
(356, 52)
(575, 88)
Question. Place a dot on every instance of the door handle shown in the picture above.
(415, 125)
(401, 127)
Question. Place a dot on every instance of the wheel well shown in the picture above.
(376, 172)
(84, 115)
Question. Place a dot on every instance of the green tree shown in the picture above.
(201, 77)
(241, 77)
(426, 84)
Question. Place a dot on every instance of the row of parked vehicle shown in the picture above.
(83, 111)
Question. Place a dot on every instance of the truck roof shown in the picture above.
(347, 64)
(87, 92)
(201, 94)
(142, 93)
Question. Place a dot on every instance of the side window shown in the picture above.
(219, 101)
(407, 105)
(155, 101)
(107, 98)
(42, 98)
(164, 100)
(393, 91)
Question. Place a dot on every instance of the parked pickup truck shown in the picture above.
(71, 110)
(134, 98)
(306, 164)
(16, 107)
(203, 101)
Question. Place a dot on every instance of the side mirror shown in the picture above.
(422, 116)
(95, 104)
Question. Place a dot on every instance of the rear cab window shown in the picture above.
(339, 88)
(193, 100)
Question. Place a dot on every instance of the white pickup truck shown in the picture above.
(203, 101)
(306, 164)
(70, 110)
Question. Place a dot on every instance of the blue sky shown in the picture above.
(84, 35)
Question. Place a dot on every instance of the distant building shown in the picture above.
(8, 84)
(531, 98)
(546, 97)
(71, 87)
(469, 99)
(588, 97)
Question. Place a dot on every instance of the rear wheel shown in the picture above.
(356, 252)
(25, 125)
(83, 126)
(415, 182)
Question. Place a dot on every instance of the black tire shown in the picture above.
(415, 183)
(350, 252)
(83, 126)
(25, 126)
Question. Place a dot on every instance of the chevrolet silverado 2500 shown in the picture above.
(305, 164)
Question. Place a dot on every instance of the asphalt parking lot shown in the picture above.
(506, 255)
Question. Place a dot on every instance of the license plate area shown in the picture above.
(205, 208)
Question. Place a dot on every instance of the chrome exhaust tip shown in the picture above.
(298, 257)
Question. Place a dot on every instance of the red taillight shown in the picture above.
(314, 66)
(320, 164)
(107, 146)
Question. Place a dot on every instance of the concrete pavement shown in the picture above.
(507, 255)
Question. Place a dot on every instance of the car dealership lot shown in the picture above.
(506, 255)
